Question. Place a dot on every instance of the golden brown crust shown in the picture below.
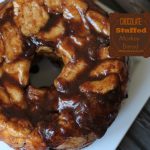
(12, 46)
(85, 97)
(102, 87)
(30, 16)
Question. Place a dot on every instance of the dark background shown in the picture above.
(138, 137)
(128, 5)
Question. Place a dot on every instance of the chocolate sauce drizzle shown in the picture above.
(84, 113)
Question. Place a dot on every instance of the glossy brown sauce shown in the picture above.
(8, 16)
(32, 43)
(82, 113)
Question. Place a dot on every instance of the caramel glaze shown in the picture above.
(82, 113)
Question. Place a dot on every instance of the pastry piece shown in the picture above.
(101, 87)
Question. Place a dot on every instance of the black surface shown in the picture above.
(113, 5)
(138, 137)
(137, 6)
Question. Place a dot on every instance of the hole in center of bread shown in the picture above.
(44, 71)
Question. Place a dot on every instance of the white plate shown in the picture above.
(138, 92)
